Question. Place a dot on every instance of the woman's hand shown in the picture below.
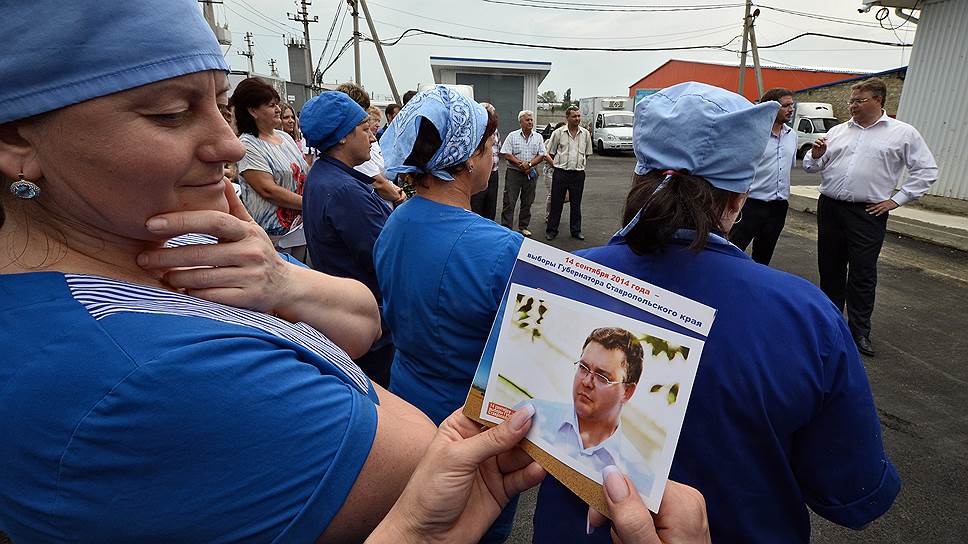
(463, 482)
(681, 518)
(243, 269)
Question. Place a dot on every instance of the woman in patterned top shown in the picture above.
(273, 169)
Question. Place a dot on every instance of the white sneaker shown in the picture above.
(526, 233)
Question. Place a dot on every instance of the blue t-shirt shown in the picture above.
(442, 271)
(136, 414)
(343, 217)
(781, 416)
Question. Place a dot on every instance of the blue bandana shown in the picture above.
(459, 120)
(704, 130)
(56, 53)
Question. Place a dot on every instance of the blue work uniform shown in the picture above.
(781, 416)
(135, 414)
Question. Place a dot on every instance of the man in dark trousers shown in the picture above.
(764, 213)
(569, 146)
(860, 162)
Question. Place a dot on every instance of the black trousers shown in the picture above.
(849, 241)
(762, 223)
(484, 203)
(573, 183)
(516, 183)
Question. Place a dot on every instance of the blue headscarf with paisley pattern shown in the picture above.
(459, 120)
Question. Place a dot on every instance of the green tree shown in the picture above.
(547, 97)
(566, 99)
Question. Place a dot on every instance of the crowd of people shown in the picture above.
(171, 375)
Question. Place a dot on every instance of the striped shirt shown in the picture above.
(570, 151)
(288, 168)
(523, 148)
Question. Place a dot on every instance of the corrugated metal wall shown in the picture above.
(934, 98)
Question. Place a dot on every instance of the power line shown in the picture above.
(609, 9)
(338, 32)
(263, 27)
(248, 7)
(329, 35)
(817, 16)
(419, 32)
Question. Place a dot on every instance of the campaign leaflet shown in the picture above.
(607, 360)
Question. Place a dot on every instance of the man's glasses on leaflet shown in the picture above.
(853, 101)
(600, 378)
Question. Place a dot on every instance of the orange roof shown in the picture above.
(727, 76)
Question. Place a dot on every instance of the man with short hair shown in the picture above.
(569, 147)
(523, 149)
(764, 213)
(860, 162)
(586, 433)
(391, 111)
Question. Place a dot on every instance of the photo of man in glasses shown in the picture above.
(587, 433)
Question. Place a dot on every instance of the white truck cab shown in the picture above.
(609, 119)
(811, 120)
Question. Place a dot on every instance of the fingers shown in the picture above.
(208, 278)
(236, 207)
(521, 480)
(223, 226)
(202, 255)
(499, 439)
(631, 519)
(683, 514)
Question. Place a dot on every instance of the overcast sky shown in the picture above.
(586, 73)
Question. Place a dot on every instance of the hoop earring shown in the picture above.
(738, 218)
(25, 189)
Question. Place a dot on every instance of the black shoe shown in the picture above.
(578, 236)
(864, 345)
(550, 236)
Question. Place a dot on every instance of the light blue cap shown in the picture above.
(55, 53)
(460, 121)
(703, 130)
(328, 118)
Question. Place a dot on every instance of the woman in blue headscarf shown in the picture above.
(781, 393)
(202, 392)
(442, 268)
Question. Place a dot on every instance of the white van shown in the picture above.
(609, 119)
(811, 120)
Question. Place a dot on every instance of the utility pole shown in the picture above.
(272, 68)
(248, 52)
(742, 63)
(756, 53)
(302, 16)
(379, 50)
(356, 39)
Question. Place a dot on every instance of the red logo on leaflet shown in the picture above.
(496, 410)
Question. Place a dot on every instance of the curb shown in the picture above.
(933, 227)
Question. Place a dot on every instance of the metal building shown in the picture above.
(510, 85)
(933, 98)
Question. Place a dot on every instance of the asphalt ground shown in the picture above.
(919, 376)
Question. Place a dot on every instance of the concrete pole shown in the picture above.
(356, 40)
(756, 60)
(742, 62)
(379, 50)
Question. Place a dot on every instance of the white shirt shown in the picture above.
(556, 424)
(496, 150)
(864, 164)
(570, 151)
(374, 166)
(523, 148)
(771, 179)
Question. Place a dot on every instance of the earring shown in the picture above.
(738, 218)
(470, 169)
(25, 189)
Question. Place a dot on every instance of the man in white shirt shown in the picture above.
(569, 147)
(860, 162)
(587, 433)
(523, 149)
(764, 213)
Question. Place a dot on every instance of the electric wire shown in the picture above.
(607, 9)
(329, 35)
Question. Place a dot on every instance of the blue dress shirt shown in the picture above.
(771, 180)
